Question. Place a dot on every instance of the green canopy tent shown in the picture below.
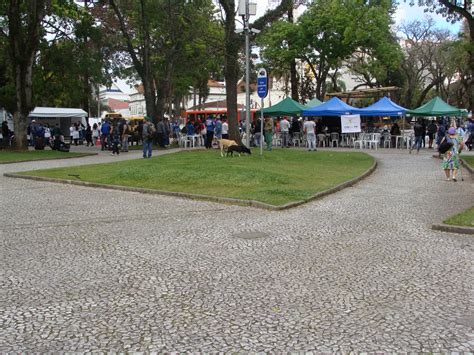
(436, 107)
(287, 107)
(313, 103)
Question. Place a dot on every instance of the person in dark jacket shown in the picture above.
(431, 133)
(419, 135)
(115, 139)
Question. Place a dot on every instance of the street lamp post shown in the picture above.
(246, 10)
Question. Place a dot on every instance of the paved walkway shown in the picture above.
(86, 269)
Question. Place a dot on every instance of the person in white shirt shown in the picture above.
(285, 132)
(310, 131)
(225, 129)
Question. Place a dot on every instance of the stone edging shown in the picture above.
(467, 166)
(225, 200)
(53, 158)
(453, 229)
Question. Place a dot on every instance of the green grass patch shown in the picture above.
(469, 159)
(277, 178)
(10, 156)
(465, 218)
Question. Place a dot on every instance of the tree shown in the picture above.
(426, 64)
(160, 37)
(233, 44)
(326, 35)
(454, 10)
(23, 31)
(71, 59)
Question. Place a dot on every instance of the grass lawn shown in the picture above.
(469, 159)
(465, 218)
(277, 178)
(9, 156)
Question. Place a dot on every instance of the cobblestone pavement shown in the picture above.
(86, 269)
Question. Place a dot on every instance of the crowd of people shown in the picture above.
(115, 135)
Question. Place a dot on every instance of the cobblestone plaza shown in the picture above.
(86, 269)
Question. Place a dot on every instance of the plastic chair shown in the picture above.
(334, 139)
(374, 141)
(321, 140)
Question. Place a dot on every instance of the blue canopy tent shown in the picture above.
(383, 107)
(333, 107)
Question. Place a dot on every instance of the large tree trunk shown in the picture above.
(23, 41)
(231, 69)
(293, 72)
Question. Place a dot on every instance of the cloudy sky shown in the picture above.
(405, 12)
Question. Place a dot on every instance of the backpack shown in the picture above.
(151, 131)
(445, 146)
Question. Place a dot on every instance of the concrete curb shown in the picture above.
(83, 155)
(224, 200)
(453, 229)
(467, 166)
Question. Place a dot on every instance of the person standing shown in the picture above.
(148, 134)
(75, 134)
(285, 133)
(160, 133)
(210, 126)
(115, 138)
(5, 134)
(124, 135)
(225, 129)
(89, 135)
(310, 131)
(256, 131)
(218, 129)
(419, 135)
(105, 135)
(470, 134)
(431, 133)
(268, 132)
(451, 157)
(95, 134)
(440, 134)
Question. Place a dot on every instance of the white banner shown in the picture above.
(350, 124)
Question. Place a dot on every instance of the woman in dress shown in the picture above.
(451, 157)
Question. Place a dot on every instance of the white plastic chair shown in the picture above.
(334, 139)
(360, 141)
(321, 140)
(374, 141)
(387, 140)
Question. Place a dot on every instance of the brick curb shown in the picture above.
(453, 229)
(224, 200)
(57, 158)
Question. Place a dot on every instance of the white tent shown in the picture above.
(63, 117)
(53, 112)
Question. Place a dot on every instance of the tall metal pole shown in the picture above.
(247, 72)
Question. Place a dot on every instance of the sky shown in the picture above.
(404, 13)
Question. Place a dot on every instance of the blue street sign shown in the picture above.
(262, 83)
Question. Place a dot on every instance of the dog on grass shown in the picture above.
(224, 145)
(239, 149)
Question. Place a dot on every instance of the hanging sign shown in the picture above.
(350, 124)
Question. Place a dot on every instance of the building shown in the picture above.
(115, 99)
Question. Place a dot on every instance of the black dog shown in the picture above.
(238, 149)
